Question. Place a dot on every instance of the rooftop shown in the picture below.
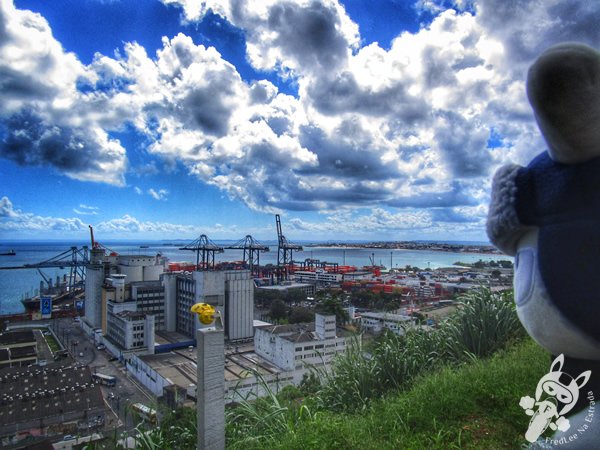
(16, 337)
(131, 315)
(36, 392)
(180, 367)
(386, 316)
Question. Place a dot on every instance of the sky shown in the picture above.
(353, 120)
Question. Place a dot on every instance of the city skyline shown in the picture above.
(355, 120)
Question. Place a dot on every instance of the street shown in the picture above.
(118, 398)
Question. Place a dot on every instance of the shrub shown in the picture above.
(484, 323)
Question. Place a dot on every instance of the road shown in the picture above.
(127, 390)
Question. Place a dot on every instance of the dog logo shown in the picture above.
(555, 395)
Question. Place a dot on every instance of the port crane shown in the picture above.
(75, 259)
(252, 249)
(285, 248)
(205, 252)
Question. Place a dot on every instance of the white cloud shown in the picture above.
(406, 127)
(130, 225)
(14, 220)
(160, 194)
(86, 210)
(291, 35)
(43, 116)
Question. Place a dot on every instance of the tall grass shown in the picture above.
(255, 419)
(484, 323)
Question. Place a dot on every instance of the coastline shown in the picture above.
(411, 245)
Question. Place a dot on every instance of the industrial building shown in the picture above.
(307, 288)
(294, 347)
(176, 372)
(231, 292)
(280, 356)
(133, 268)
(376, 322)
(317, 276)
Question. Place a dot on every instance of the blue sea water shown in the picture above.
(22, 283)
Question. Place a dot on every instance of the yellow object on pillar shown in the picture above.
(206, 313)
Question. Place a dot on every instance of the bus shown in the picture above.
(145, 412)
(106, 380)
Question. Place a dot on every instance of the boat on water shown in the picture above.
(58, 300)
(8, 253)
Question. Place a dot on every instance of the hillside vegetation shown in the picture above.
(456, 386)
(475, 405)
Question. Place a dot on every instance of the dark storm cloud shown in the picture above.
(343, 94)
(293, 197)
(310, 34)
(15, 85)
(463, 145)
(29, 141)
(207, 110)
(457, 195)
(350, 154)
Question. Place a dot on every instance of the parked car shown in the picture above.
(101, 347)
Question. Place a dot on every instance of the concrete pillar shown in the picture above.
(211, 389)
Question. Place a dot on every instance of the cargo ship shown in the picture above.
(61, 296)
(8, 253)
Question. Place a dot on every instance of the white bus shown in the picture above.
(106, 380)
(145, 412)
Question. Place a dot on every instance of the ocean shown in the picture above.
(22, 283)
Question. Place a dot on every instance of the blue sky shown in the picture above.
(352, 119)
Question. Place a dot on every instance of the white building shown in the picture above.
(376, 322)
(124, 325)
(131, 330)
(317, 276)
(294, 347)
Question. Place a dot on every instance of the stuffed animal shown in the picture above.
(547, 214)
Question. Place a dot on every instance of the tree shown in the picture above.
(265, 297)
(301, 315)
(363, 298)
(333, 306)
(278, 310)
(295, 296)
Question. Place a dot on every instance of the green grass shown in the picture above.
(475, 405)
(485, 323)
(52, 344)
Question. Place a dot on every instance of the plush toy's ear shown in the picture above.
(563, 86)
(557, 364)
